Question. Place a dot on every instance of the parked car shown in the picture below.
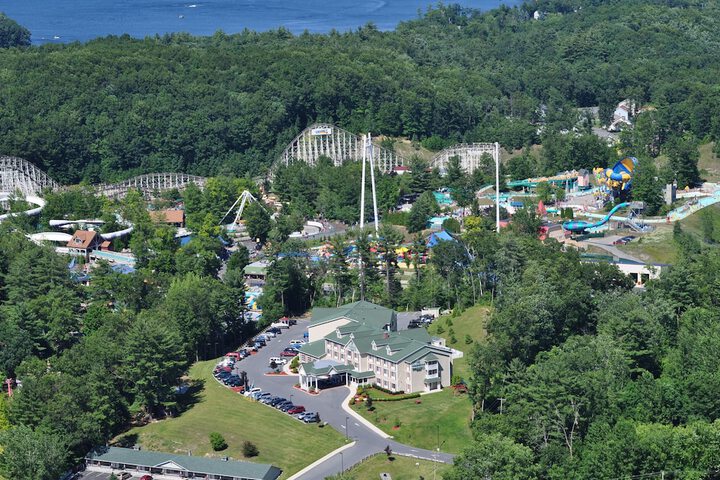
(268, 335)
(275, 401)
(624, 240)
(311, 418)
(274, 330)
(277, 360)
(299, 342)
(286, 403)
(124, 475)
(280, 325)
(252, 391)
(286, 407)
(146, 477)
(289, 352)
(296, 409)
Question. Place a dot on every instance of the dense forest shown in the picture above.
(119, 106)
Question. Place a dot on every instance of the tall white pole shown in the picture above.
(372, 181)
(497, 186)
(362, 187)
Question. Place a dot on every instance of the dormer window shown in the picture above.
(389, 350)
(337, 332)
(374, 345)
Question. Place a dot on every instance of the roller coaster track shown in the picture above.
(470, 155)
(150, 183)
(340, 146)
(20, 176)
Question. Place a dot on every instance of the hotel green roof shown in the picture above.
(314, 349)
(199, 465)
(362, 312)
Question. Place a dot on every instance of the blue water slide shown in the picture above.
(579, 226)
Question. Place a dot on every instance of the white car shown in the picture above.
(270, 334)
(280, 325)
(252, 391)
(277, 360)
(297, 342)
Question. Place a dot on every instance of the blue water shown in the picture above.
(71, 20)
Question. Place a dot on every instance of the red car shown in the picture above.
(146, 477)
(288, 353)
(296, 409)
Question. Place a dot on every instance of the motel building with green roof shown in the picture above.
(359, 344)
(169, 466)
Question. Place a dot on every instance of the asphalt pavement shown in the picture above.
(329, 406)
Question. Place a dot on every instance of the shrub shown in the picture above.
(453, 339)
(217, 442)
(456, 380)
(440, 329)
(468, 339)
(397, 422)
(397, 398)
(449, 322)
(249, 449)
(451, 331)
(387, 390)
(369, 403)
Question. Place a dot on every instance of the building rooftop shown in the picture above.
(82, 239)
(200, 465)
(168, 216)
(256, 268)
(314, 349)
(362, 312)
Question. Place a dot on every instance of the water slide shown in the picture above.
(30, 199)
(619, 176)
(579, 226)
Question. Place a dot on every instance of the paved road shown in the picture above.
(328, 405)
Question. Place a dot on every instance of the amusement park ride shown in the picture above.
(616, 183)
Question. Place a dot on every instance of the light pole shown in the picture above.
(346, 427)
(342, 463)
(497, 187)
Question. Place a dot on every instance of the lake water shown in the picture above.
(71, 20)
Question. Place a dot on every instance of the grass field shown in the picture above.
(401, 468)
(450, 413)
(281, 440)
(419, 423)
(709, 163)
(658, 246)
(470, 322)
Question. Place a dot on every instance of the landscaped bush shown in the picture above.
(217, 442)
(249, 449)
(397, 398)
(468, 340)
(387, 390)
(295, 364)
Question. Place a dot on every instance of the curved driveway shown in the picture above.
(329, 405)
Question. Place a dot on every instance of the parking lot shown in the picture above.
(94, 476)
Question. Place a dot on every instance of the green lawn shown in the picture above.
(709, 163)
(658, 246)
(419, 422)
(281, 440)
(450, 412)
(470, 322)
(401, 468)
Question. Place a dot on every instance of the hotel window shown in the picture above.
(385, 372)
(392, 386)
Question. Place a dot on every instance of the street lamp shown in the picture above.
(497, 186)
(346, 427)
